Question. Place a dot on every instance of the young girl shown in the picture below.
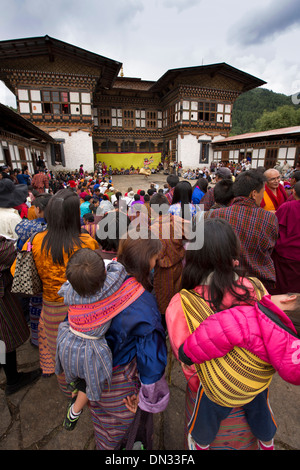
(264, 329)
(182, 201)
(82, 351)
(212, 281)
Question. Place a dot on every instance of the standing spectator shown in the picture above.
(11, 196)
(82, 350)
(13, 327)
(40, 163)
(208, 199)
(168, 269)
(286, 254)
(24, 177)
(199, 190)
(40, 182)
(5, 171)
(223, 194)
(274, 194)
(51, 251)
(182, 201)
(256, 228)
(295, 177)
(212, 281)
(172, 180)
(137, 342)
(24, 230)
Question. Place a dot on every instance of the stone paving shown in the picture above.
(31, 419)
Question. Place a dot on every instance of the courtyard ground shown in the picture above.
(31, 419)
(122, 182)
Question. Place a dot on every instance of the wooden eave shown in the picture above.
(12, 122)
(249, 82)
(263, 136)
(45, 45)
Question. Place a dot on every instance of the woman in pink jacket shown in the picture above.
(269, 329)
(211, 275)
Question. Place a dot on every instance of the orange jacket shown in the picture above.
(53, 275)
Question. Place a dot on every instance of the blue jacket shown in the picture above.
(137, 331)
(23, 178)
(197, 195)
(26, 228)
(85, 208)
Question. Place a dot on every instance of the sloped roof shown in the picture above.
(46, 45)
(285, 131)
(12, 122)
(249, 81)
(131, 83)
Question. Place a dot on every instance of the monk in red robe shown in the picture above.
(286, 253)
(274, 194)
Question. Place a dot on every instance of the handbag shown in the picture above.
(139, 432)
(26, 280)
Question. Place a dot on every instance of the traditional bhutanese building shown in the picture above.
(21, 142)
(264, 149)
(93, 113)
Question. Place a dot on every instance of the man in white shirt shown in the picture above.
(11, 196)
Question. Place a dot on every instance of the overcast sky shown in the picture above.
(260, 37)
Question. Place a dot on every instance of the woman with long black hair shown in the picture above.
(136, 338)
(182, 201)
(52, 250)
(212, 281)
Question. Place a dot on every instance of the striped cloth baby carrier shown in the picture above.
(235, 379)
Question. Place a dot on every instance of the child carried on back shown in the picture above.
(82, 351)
(269, 329)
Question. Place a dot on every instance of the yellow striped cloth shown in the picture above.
(232, 380)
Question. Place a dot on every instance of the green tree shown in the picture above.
(284, 116)
(251, 105)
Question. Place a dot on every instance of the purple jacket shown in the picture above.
(263, 329)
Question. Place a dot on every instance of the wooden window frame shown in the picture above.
(207, 111)
(56, 105)
(128, 118)
(271, 157)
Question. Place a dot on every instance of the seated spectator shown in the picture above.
(85, 206)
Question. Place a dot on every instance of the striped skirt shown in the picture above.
(46, 361)
(234, 432)
(53, 313)
(35, 307)
(111, 419)
(14, 330)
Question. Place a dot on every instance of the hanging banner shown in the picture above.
(126, 160)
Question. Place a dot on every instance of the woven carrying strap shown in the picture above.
(235, 379)
(85, 317)
(26, 280)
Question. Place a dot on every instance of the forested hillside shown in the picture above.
(250, 106)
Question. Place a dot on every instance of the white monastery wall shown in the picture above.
(78, 149)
